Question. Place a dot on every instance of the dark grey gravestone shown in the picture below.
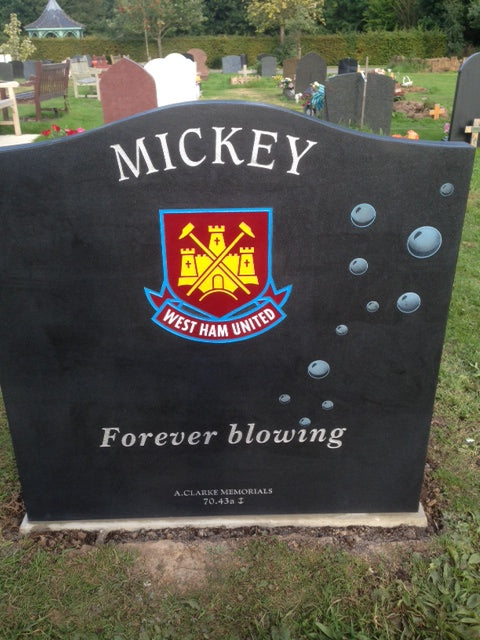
(231, 64)
(6, 72)
(268, 66)
(466, 105)
(347, 65)
(201, 320)
(290, 68)
(17, 69)
(348, 99)
(343, 99)
(310, 68)
(379, 103)
(29, 68)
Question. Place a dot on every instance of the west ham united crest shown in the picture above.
(217, 275)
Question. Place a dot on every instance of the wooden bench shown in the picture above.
(50, 81)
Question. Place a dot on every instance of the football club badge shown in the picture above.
(217, 275)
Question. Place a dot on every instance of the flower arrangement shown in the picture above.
(57, 132)
(285, 83)
(410, 135)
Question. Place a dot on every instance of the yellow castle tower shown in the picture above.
(217, 241)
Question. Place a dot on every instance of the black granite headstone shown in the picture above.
(466, 105)
(17, 69)
(343, 99)
(198, 318)
(347, 65)
(310, 68)
(348, 99)
(379, 103)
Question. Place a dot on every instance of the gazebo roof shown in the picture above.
(54, 17)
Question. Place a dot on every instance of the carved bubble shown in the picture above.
(424, 242)
(363, 215)
(358, 266)
(372, 306)
(409, 302)
(304, 422)
(447, 189)
(284, 398)
(318, 369)
(327, 405)
(341, 330)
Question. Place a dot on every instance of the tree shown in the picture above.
(406, 13)
(344, 15)
(26, 11)
(226, 17)
(281, 14)
(454, 25)
(161, 18)
(379, 15)
(94, 14)
(20, 48)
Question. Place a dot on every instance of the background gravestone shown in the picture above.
(466, 105)
(29, 68)
(231, 64)
(347, 65)
(175, 78)
(200, 58)
(126, 89)
(310, 68)
(379, 103)
(6, 72)
(290, 68)
(344, 95)
(343, 99)
(268, 66)
(201, 319)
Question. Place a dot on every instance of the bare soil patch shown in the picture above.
(411, 108)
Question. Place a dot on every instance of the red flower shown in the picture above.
(55, 127)
(46, 133)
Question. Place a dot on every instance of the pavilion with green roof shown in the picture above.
(54, 23)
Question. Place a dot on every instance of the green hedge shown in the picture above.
(379, 46)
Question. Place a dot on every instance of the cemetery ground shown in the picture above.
(291, 584)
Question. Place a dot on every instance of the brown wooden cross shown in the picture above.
(474, 129)
(437, 111)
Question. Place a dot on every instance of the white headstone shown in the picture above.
(175, 78)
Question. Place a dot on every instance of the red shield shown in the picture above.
(216, 261)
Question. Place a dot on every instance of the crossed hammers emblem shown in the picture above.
(217, 261)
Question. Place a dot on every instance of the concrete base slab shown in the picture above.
(385, 520)
(7, 140)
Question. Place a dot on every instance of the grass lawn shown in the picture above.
(269, 587)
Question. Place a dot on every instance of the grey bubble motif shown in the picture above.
(341, 330)
(372, 306)
(409, 302)
(447, 189)
(424, 242)
(304, 422)
(363, 215)
(284, 398)
(327, 405)
(318, 369)
(358, 266)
